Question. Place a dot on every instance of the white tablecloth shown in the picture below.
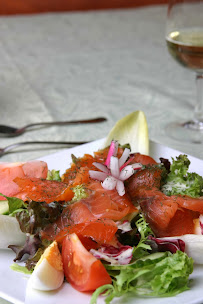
(79, 65)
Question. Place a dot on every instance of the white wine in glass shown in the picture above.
(184, 37)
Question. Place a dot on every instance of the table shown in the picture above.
(60, 66)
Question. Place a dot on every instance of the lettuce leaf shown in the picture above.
(79, 193)
(158, 274)
(38, 215)
(15, 204)
(19, 268)
(143, 248)
(53, 175)
(180, 181)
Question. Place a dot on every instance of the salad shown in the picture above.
(115, 223)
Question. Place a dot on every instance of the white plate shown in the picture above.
(13, 284)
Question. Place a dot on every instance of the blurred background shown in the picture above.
(8, 7)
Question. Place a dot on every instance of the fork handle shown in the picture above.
(25, 143)
(70, 122)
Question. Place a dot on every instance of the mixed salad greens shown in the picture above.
(180, 181)
(144, 265)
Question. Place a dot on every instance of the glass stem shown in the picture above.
(199, 102)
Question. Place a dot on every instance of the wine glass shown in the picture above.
(184, 38)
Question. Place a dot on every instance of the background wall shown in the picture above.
(9, 7)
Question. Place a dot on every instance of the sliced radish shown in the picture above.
(124, 157)
(137, 166)
(114, 167)
(97, 175)
(126, 172)
(120, 187)
(101, 167)
(112, 152)
(109, 183)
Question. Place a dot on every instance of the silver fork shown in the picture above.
(3, 151)
(10, 131)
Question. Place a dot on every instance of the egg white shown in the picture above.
(45, 277)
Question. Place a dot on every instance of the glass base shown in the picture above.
(187, 132)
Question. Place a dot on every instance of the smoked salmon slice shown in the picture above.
(9, 171)
(97, 212)
(40, 190)
(108, 203)
(158, 208)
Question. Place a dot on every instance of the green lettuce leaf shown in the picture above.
(159, 274)
(38, 215)
(143, 248)
(53, 175)
(15, 204)
(180, 181)
(20, 268)
(79, 193)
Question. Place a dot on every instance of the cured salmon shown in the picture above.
(96, 212)
(167, 215)
(40, 190)
(9, 171)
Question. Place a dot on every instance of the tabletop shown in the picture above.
(61, 66)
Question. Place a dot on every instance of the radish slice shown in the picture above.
(137, 166)
(120, 187)
(112, 152)
(201, 223)
(109, 183)
(114, 167)
(101, 167)
(127, 162)
(97, 175)
(126, 172)
(124, 157)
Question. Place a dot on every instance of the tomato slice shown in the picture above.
(82, 270)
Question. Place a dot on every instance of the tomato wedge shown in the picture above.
(82, 270)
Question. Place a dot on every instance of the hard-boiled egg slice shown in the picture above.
(48, 273)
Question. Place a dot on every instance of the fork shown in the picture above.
(3, 151)
(13, 131)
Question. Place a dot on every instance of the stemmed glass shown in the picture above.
(184, 38)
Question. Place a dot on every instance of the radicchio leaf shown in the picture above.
(38, 215)
(172, 245)
(166, 163)
(121, 255)
(29, 249)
